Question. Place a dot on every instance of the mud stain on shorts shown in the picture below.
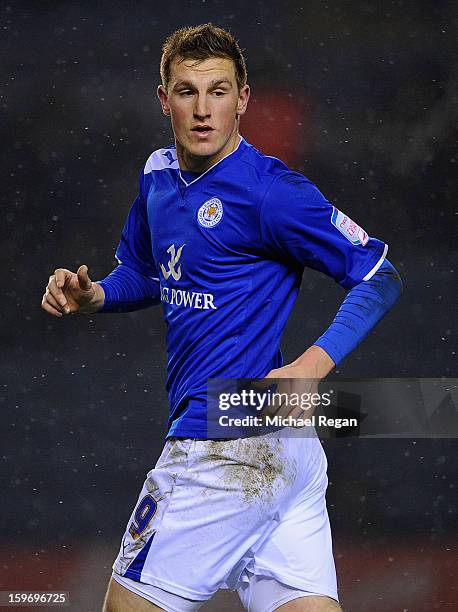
(257, 467)
(176, 452)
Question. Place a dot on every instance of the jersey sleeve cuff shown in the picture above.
(373, 270)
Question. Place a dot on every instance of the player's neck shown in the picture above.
(193, 163)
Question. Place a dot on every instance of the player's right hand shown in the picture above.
(67, 292)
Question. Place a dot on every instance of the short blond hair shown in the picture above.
(200, 43)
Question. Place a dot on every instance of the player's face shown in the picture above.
(204, 104)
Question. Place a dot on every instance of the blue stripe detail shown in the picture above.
(135, 569)
(334, 216)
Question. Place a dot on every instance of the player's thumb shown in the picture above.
(264, 383)
(83, 278)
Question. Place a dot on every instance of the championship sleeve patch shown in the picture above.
(352, 231)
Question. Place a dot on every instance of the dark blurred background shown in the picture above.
(361, 98)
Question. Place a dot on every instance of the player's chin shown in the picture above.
(203, 149)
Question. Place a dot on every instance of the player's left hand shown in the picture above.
(298, 381)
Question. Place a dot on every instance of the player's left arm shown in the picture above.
(363, 307)
(307, 231)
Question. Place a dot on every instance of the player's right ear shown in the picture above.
(164, 100)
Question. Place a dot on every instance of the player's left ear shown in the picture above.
(164, 100)
(244, 96)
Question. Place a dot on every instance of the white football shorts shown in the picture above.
(212, 514)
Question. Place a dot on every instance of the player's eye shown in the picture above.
(219, 93)
(185, 92)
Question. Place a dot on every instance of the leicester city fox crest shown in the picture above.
(210, 213)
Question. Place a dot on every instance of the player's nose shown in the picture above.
(201, 108)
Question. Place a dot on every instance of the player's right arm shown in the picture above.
(125, 289)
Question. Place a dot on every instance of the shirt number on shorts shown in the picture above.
(144, 513)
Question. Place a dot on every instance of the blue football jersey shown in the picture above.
(227, 251)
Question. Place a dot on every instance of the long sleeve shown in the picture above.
(364, 306)
(127, 290)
